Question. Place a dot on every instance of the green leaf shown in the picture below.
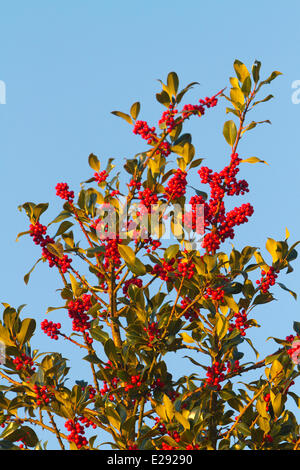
(123, 116)
(255, 71)
(221, 325)
(163, 98)
(277, 404)
(27, 276)
(171, 252)
(274, 249)
(243, 428)
(173, 83)
(186, 338)
(39, 209)
(270, 78)
(56, 249)
(161, 411)
(112, 416)
(246, 88)
(127, 254)
(75, 285)
(182, 420)
(196, 163)
(237, 97)
(241, 70)
(188, 152)
(253, 160)
(261, 408)
(135, 110)
(253, 348)
(263, 299)
(21, 235)
(267, 98)
(110, 351)
(230, 132)
(276, 369)
(134, 264)
(169, 407)
(138, 268)
(64, 226)
(94, 162)
(296, 327)
(27, 329)
(264, 424)
(287, 289)
(232, 304)
(98, 334)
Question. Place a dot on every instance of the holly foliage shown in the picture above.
(132, 296)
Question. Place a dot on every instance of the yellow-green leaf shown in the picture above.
(230, 132)
(253, 160)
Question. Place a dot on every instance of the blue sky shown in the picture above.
(67, 65)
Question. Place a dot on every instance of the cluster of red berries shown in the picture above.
(106, 389)
(268, 438)
(135, 382)
(190, 109)
(186, 269)
(192, 447)
(111, 255)
(153, 243)
(163, 271)
(134, 281)
(63, 263)
(158, 384)
(100, 176)
(290, 338)
(194, 219)
(132, 447)
(267, 398)
(24, 362)
(115, 192)
(191, 313)
(62, 190)
(114, 383)
(172, 394)
(238, 216)
(87, 422)
(153, 332)
(135, 184)
(149, 134)
(233, 367)
(76, 431)
(43, 395)
(215, 375)
(141, 128)
(240, 322)
(51, 329)
(160, 425)
(295, 351)
(267, 279)
(176, 185)
(77, 312)
(215, 217)
(187, 447)
(147, 198)
(91, 390)
(167, 118)
(211, 242)
(214, 294)
(37, 231)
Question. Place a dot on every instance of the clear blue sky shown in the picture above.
(68, 64)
